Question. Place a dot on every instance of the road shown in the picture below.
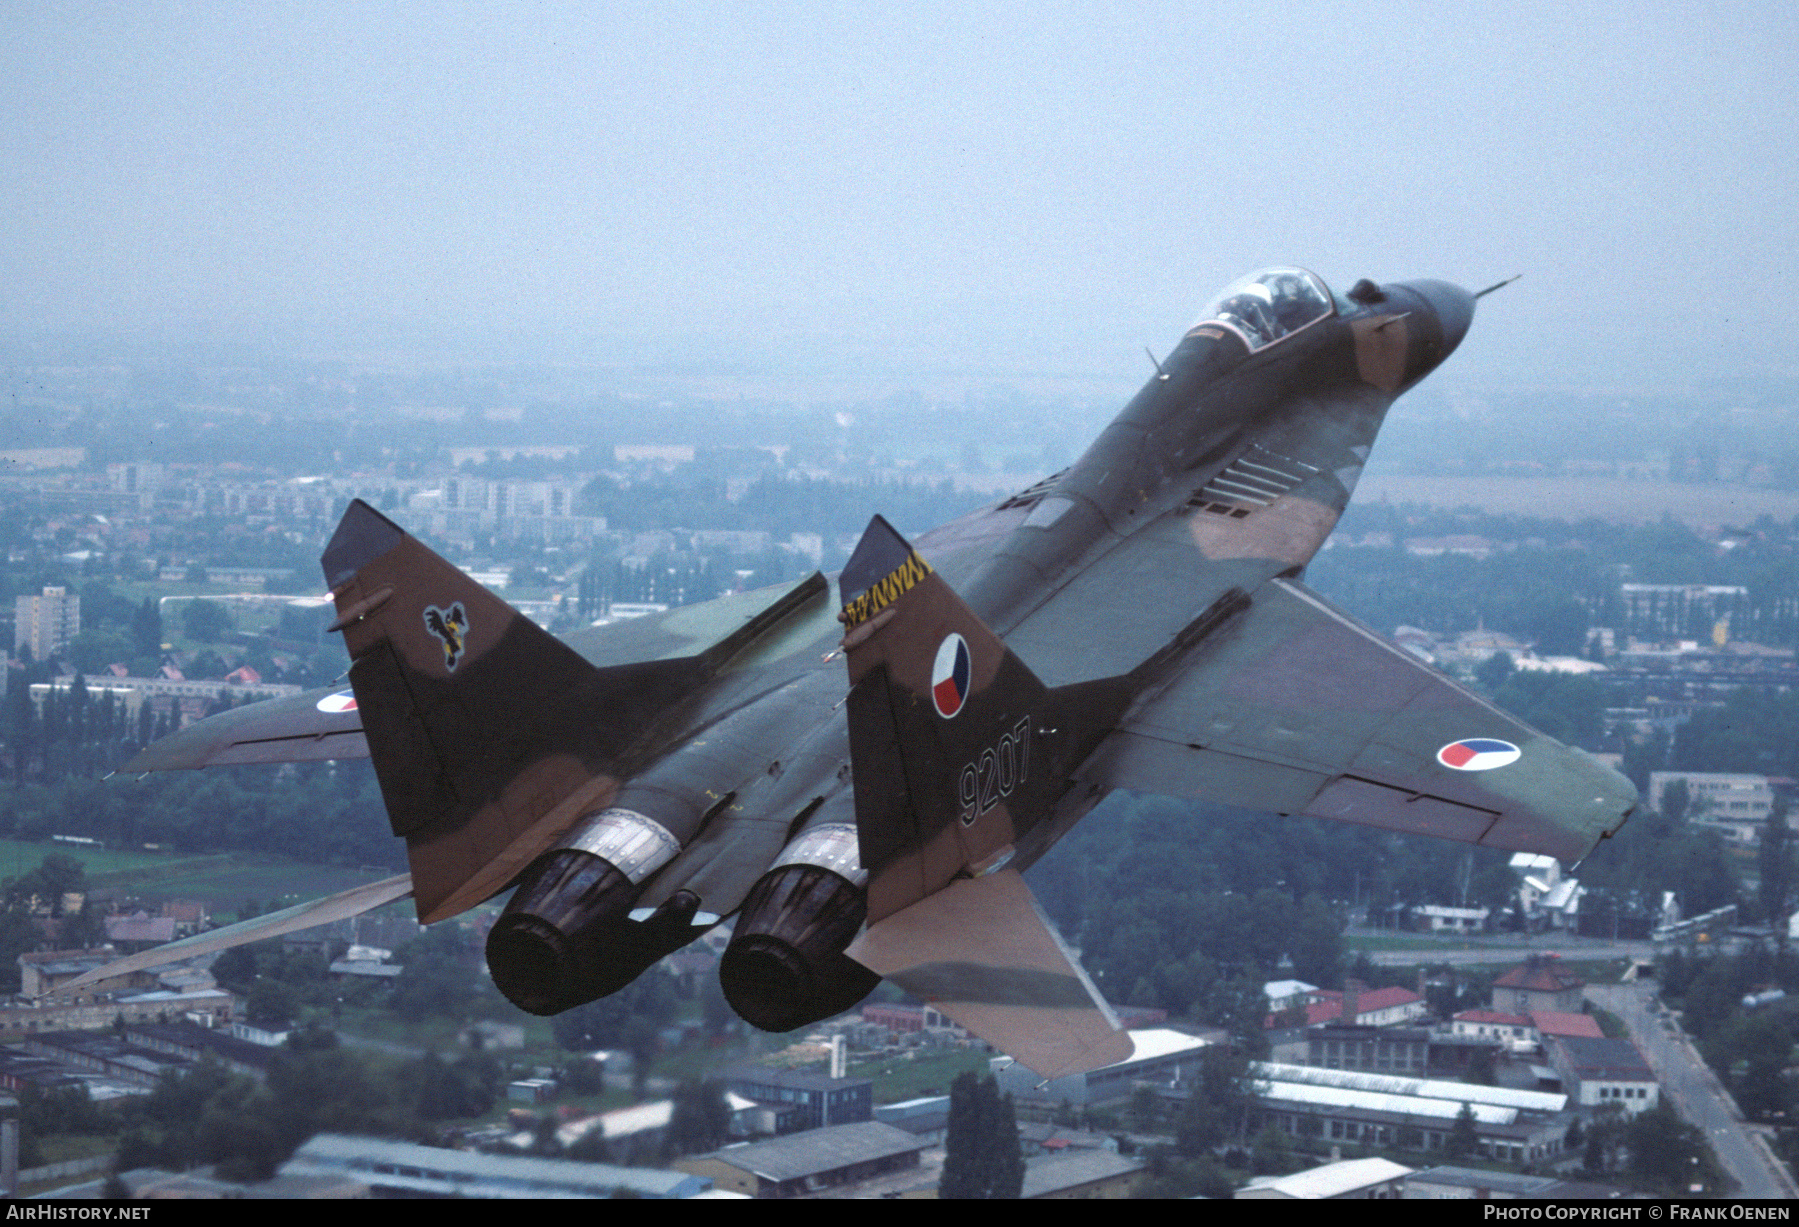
(1694, 1090)
(1497, 948)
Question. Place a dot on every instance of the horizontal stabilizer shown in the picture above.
(981, 951)
(352, 902)
(311, 727)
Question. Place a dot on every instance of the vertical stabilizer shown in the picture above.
(489, 736)
(957, 748)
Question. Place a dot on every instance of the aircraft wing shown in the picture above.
(311, 727)
(1294, 706)
(352, 902)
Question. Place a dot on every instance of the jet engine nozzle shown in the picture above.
(785, 966)
(566, 936)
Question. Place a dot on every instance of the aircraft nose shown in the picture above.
(1454, 308)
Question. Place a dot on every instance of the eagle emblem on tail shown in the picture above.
(450, 628)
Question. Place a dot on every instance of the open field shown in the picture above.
(1699, 505)
(918, 1074)
(1364, 941)
(223, 879)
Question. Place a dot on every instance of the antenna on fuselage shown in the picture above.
(1499, 285)
(1160, 373)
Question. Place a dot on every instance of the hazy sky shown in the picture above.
(1003, 190)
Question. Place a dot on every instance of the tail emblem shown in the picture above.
(950, 674)
(449, 627)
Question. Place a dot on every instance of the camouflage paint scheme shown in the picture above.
(1136, 621)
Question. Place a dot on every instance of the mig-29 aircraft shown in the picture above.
(857, 768)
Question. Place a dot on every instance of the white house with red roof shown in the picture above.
(1366, 1007)
(1523, 1032)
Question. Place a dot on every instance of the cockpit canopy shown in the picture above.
(1270, 305)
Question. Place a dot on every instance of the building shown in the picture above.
(1512, 1126)
(103, 1053)
(1449, 1183)
(799, 1099)
(1083, 1174)
(1163, 1057)
(1285, 994)
(1599, 1073)
(1522, 1032)
(1386, 1050)
(925, 1020)
(1355, 1006)
(1680, 611)
(46, 623)
(402, 1169)
(632, 1135)
(140, 927)
(184, 699)
(1513, 1032)
(809, 1162)
(1552, 1023)
(1539, 984)
(1736, 805)
(926, 1119)
(1546, 899)
(1350, 1180)
(1716, 794)
(1436, 919)
(195, 1043)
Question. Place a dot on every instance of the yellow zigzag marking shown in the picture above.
(885, 591)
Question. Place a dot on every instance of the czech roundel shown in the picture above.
(950, 674)
(1478, 754)
(342, 701)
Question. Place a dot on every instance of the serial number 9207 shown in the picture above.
(991, 778)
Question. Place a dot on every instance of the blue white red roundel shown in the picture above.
(342, 701)
(950, 674)
(1478, 754)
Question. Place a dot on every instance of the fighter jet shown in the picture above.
(858, 767)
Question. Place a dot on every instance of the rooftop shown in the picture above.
(818, 1150)
(1047, 1174)
(1333, 1179)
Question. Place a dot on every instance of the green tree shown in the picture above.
(461, 1089)
(1677, 798)
(981, 1155)
(1666, 1153)
(92, 651)
(1463, 1138)
(438, 978)
(1495, 671)
(700, 1120)
(1775, 862)
(205, 621)
(1271, 1153)
(272, 1003)
(146, 628)
(648, 1001)
(1219, 1107)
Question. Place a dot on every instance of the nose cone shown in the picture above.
(1454, 307)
